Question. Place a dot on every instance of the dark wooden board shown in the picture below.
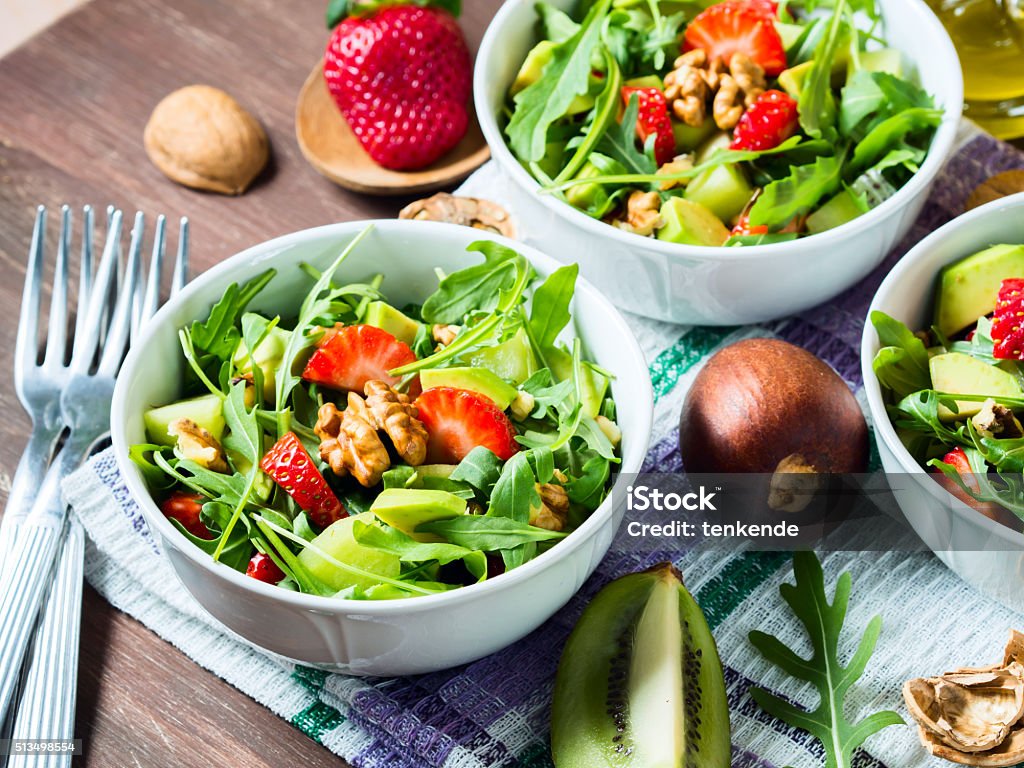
(73, 104)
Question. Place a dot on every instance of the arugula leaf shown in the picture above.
(141, 455)
(901, 364)
(601, 117)
(546, 395)
(877, 94)
(473, 289)
(619, 142)
(816, 105)
(798, 193)
(823, 622)
(487, 533)
(218, 335)
(550, 311)
(480, 468)
(919, 412)
(588, 489)
(556, 25)
(890, 132)
(408, 550)
(565, 77)
(513, 496)
(316, 303)
(245, 438)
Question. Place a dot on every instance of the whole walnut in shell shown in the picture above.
(201, 137)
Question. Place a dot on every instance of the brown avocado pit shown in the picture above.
(766, 406)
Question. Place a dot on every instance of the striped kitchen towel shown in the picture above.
(494, 712)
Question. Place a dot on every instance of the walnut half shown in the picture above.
(198, 445)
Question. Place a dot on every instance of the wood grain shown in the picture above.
(73, 104)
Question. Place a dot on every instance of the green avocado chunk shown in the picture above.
(205, 410)
(338, 542)
(382, 315)
(690, 223)
(841, 209)
(268, 356)
(724, 191)
(478, 380)
(959, 374)
(511, 360)
(968, 288)
(594, 386)
(408, 508)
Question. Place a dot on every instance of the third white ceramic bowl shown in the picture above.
(984, 553)
(717, 286)
(393, 637)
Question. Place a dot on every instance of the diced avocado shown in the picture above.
(474, 379)
(887, 60)
(587, 197)
(338, 542)
(407, 508)
(959, 374)
(263, 486)
(533, 68)
(718, 140)
(789, 33)
(792, 80)
(205, 410)
(841, 209)
(647, 81)
(442, 471)
(968, 288)
(511, 360)
(690, 223)
(268, 357)
(724, 191)
(688, 137)
(382, 315)
(593, 387)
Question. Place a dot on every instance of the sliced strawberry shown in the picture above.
(768, 122)
(1007, 325)
(262, 568)
(653, 119)
(769, 8)
(288, 464)
(737, 27)
(351, 355)
(185, 506)
(458, 420)
(744, 227)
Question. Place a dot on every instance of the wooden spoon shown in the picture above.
(329, 145)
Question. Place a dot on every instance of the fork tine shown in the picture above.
(156, 266)
(85, 344)
(120, 320)
(180, 276)
(57, 327)
(85, 270)
(27, 345)
(139, 285)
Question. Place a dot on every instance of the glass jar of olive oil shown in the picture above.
(989, 36)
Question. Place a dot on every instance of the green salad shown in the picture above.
(366, 451)
(956, 390)
(733, 123)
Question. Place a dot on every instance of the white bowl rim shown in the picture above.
(869, 347)
(942, 144)
(601, 516)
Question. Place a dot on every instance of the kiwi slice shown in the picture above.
(640, 683)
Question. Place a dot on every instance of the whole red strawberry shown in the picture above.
(653, 118)
(1007, 325)
(768, 122)
(401, 77)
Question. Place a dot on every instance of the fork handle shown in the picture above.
(47, 707)
(25, 576)
(25, 483)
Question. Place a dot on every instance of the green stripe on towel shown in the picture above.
(690, 349)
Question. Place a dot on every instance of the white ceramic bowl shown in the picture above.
(718, 286)
(984, 553)
(390, 637)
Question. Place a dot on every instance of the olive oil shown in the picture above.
(989, 36)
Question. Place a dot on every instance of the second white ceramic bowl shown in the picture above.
(717, 286)
(396, 637)
(984, 553)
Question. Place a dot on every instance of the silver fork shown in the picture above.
(47, 708)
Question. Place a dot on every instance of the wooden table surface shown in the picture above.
(73, 103)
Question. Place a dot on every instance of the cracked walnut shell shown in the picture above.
(200, 137)
(973, 716)
(467, 211)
